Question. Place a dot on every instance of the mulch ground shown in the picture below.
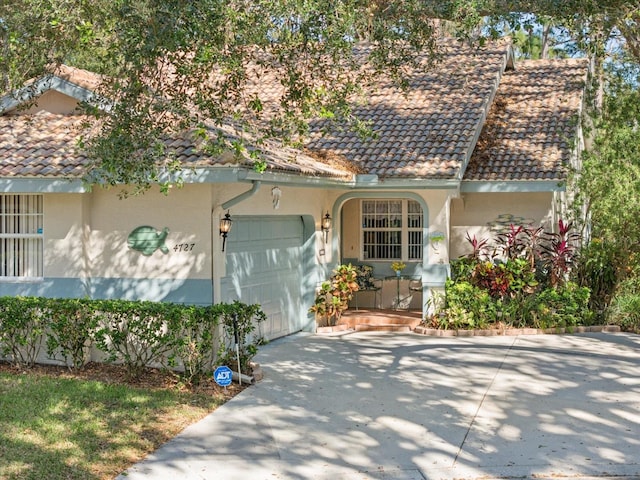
(116, 374)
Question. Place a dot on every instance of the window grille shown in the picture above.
(21, 237)
(391, 230)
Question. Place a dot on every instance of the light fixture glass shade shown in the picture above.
(225, 224)
(326, 226)
(326, 222)
(225, 228)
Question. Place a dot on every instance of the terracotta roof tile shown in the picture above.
(426, 133)
(531, 127)
(82, 78)
(40, 145)
(44, 145)
(413, 132)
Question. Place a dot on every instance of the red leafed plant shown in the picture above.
(558, 252)
(492, 277)
(478, 246)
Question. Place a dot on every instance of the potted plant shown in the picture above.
(398, 267)
(333, 297)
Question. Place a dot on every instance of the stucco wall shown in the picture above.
(87, 251)
(64, 220)
(180, 273)
(64, 263)
(184, 212)
(51, 101)
(314, 202)
(475, 213)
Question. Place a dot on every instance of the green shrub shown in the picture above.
(466, 306)
(527, 286)
(244, 319)
(22, 326)
(514, 311)
(596, 269)
(71, 325)
(562, 307)
(504, 279)
(196, 338)
(625, 312)
(137, 333)
(624, 309)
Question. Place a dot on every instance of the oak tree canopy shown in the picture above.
(172, 65)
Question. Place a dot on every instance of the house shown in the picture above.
(477, 143)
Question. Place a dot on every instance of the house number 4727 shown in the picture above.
(184, 247)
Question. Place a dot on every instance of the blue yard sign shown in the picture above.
(223, 376)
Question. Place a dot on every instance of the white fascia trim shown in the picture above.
(513, 186)
(240, 174)
(222, 174)
(42, 185)
(407, 184)
(227, 175)
(53, 82)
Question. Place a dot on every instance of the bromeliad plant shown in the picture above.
(333, 297)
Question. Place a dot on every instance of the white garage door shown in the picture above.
(265, 266)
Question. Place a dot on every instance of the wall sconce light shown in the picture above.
(225, 227)
(326, 226)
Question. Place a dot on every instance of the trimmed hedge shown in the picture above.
(136, 333)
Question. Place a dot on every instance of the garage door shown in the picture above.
(265, 266)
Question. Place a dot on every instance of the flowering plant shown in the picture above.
(398, 266)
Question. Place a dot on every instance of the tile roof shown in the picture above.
(44, 144)
(40, 145)
(82, 78)
(188, 151)
(531, 128)
(429, 131)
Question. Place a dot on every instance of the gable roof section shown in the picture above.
(532, 127)
(44, 144)
(70, 81)
(429, 132)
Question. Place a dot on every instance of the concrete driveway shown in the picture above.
(404, 406)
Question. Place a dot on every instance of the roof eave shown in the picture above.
(43, 185)
(52, 82)
(512, 186)
(210, 175)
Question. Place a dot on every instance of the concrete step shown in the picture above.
(383, 328)
(382, 320)
(387, 320)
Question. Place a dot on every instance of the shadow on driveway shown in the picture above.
(404, 406)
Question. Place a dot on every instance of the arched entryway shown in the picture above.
(378, 230)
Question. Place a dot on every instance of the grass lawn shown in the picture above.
(57, 425)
